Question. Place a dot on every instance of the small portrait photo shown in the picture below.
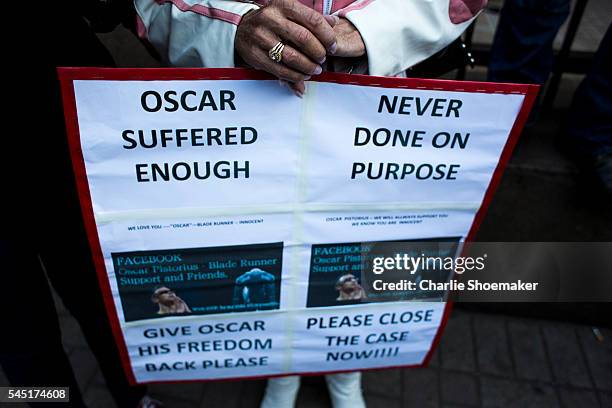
(168, 302)
(348, 288)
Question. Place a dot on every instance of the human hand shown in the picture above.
(307, 35)
(350, 43)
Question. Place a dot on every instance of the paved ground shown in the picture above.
(484, 359)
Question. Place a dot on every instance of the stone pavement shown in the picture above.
(484, 360)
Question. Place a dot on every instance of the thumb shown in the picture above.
(331, 20)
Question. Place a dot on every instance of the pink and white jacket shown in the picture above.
(397, 33)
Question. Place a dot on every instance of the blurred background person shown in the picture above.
(588, 132)
(522, 52)
(43, 240)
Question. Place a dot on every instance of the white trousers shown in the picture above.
(344, 390)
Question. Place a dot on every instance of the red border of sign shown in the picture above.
(68, 75)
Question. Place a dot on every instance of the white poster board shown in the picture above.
(233, 224)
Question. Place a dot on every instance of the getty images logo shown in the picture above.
(412, 264)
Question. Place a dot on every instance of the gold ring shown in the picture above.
(276, 52)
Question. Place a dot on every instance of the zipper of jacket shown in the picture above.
(327, 6)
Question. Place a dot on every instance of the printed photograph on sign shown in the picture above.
(386, 271)
(156, 284)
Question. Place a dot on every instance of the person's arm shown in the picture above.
(189, 33)
(401, 33)
(209, 33)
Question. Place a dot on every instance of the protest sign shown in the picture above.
(233, 224)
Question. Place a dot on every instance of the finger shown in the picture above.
(350, 45)
(290, 56)
(303, 39)
(266, 40)
(279, 70)
(345, 48)
(298, 88)
(314, 22)
(298, 61)
(331, 20)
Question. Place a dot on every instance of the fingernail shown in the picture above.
(332, 48)
(317, 70)
(322, 60)
(307, 78)
(299, 94)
